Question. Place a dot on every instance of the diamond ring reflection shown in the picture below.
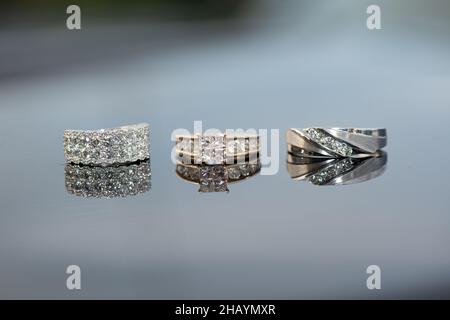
(108, 182)
(215, 178)
(336, 171)
(120, 145)
(336, 142)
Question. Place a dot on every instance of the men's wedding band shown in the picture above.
(119, 145)
(338, 171)
(336, 142)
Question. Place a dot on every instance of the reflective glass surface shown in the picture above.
(296, 64)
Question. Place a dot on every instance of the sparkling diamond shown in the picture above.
(213, 179)
(109, 182)
(245, 170)
(331, 171)
(254, 167)
(329, 142)
(236, 146)
(185, 145)
(234, 173)
(314, 134)
(326, 141)
(107, 146)
(213, 149)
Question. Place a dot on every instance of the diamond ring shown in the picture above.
(215, 178)
(217, 149)
(108, 181)
(119, 145)
(336, 171)
(335, 142)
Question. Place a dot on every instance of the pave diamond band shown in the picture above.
(109, 181)
(336, 142)
(217, 149)
(119, 145)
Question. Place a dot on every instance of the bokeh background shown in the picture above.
(232, 64)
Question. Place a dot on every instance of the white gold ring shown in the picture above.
(119, 145)
(336, 142)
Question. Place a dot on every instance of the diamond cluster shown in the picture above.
(188, 172)
(107, 146)
(109, 182)
(329, 142)
(243, 171)
(235, 172)
(331, 171)
(215, 178)
(213, 150)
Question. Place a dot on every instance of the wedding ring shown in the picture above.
(217, 149)
(340, 171)
(108, 181)
(335, 142)
(215, 178)
(120, 145)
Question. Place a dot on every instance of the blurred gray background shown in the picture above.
(239, 64)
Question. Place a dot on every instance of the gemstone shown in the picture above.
(184, 145)
(329, 142)
(181, 170)
(194, 174)
(213, 149)
(237, 146)
(245, 170)
(331, 171)
(213, 179)
(234, 173)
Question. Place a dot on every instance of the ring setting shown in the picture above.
(214, 161)
(336, 142)
(216, 149)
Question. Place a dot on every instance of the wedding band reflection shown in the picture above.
(215, 178)
(108, 182)
(340, 171)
